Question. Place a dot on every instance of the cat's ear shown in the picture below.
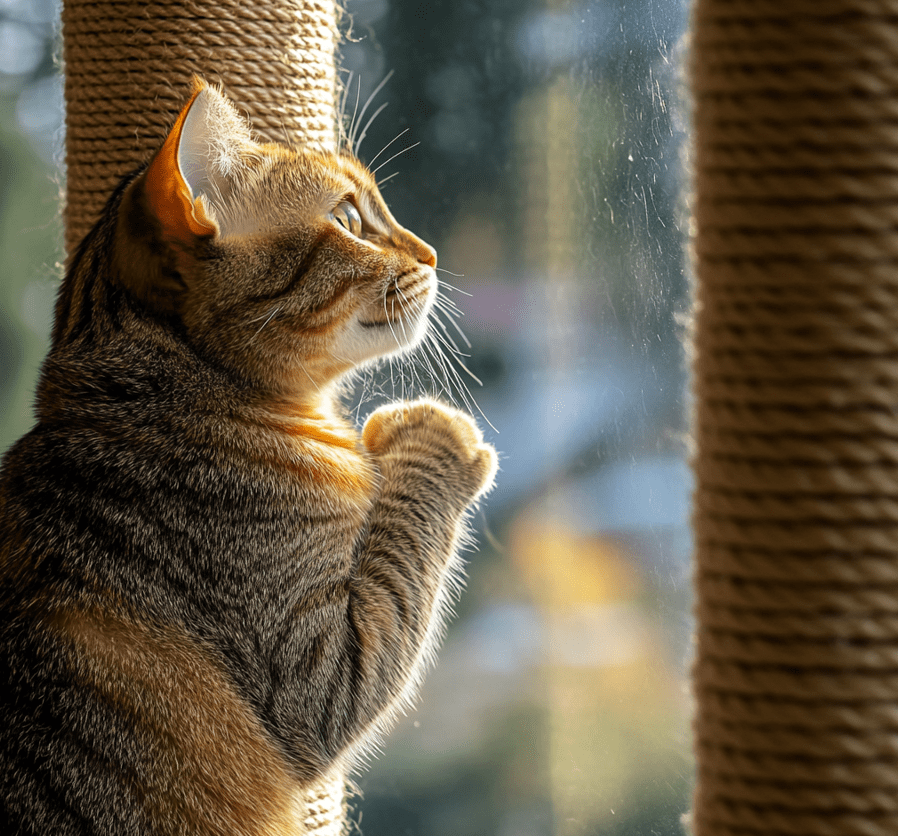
(195, 168)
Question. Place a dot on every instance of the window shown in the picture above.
(544, 165)
(548, 174)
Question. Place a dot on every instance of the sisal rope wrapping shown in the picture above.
(128, 68)
(796, 420)
(324, 807)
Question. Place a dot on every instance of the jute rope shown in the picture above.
(796, 420)
(325, 810)
(128, 66)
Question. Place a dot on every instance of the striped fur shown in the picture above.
(213, 589)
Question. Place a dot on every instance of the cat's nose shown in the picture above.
(422, 251)
(428, 255)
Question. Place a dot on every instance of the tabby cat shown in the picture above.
(215, 590)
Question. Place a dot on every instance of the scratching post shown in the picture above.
(796, 416)
(128, 67)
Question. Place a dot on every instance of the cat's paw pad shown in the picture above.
(430, 429)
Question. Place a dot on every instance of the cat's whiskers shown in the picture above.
(450, 307)
(397, 154)
(467, 397)
(452, 312)
(402, 311)
(441, 343)
(452, 286)
(458, 354)
(408, 357)
(398, 345)
(368, 125)
(401, 356)
(427, 356)
(437, 380)
(457, 275)
(401, 133)
(403, 302)
(389, 318)
(434, 355)
(341, 121)
(353, 125)
(430, 369)
(450, 315)
(356, 143)
(389, 177)
(270, 316)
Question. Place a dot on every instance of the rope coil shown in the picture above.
(796, 422)
(128, 66)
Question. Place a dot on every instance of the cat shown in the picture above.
(213, 588)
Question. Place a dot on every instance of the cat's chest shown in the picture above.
(263, 526)
(321, 471)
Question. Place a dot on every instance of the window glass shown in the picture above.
(548, 174)
(540, 151)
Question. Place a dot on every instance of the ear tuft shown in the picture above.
(213, 144)
(195, 169)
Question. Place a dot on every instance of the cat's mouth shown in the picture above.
(406, 299)
(392, 320)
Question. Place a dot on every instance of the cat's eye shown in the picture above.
(345, 214)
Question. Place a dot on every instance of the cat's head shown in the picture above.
(282, 264)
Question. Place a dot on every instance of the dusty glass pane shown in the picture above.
(549, 175)
(546, 171)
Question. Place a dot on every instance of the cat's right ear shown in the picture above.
(195, 169)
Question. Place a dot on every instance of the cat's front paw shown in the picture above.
(427, 430)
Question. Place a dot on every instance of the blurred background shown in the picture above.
(548, 175)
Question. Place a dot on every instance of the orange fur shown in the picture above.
(178, 696)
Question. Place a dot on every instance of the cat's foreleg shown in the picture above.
(433, 464)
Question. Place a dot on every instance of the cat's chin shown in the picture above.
(378, 331)
(366, 340)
